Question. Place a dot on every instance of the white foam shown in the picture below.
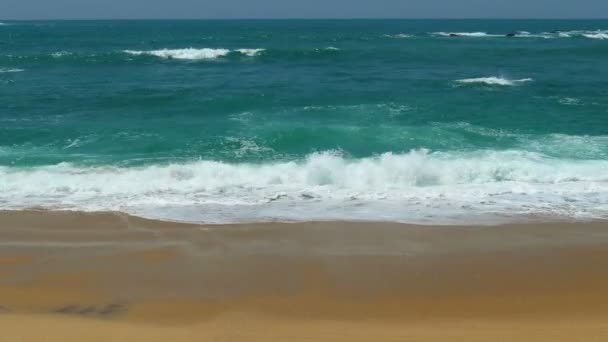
(329, 49)
(398, 35)
(570, 101)
(5, 70)
(494, 81)
(60, 54)
(405, 187)
(251, 52)
(466, 34)
(195, 54)
(599, 35)
(544, 35)
(186, 54)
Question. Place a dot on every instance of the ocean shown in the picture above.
(417, 121)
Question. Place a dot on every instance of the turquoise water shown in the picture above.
(232, 121)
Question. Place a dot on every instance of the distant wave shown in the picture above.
(398, 35)
(194, 54)
(591, 34)
(4, 71)
(329, 48)
(466, 34)
(570, 101)
(189, 53)
(493, 81)
(251, 52)
(60, 54)
(599, 35)
(186, 54)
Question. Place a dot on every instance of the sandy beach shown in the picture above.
(111, 277)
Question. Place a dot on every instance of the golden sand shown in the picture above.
(110, 277)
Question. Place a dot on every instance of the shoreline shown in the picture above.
(125, 278)
(494, 221)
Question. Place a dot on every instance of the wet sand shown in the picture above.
(111, 277)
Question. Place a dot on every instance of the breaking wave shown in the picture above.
(465, 34)
(398, 35)
(402, 187)
(493, 81)
(195, 54)
(6, 70)
(599, 35)
(591, 34)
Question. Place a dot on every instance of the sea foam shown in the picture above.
(6, 70)
(466, 34)
(60, 54)
(251, 52)
(599, 35)
(398, 35)
(494, 81)
(399, 187)
(194, 54)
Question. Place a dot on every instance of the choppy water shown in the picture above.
(235, 121)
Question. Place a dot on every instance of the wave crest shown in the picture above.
(194, 54)
(493, 81)
(398, 35)
(189, 53)
(599, 35)
(251, 52)
(388, 184)
(466, 34)
(7, 70)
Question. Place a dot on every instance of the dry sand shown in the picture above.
(111, 277)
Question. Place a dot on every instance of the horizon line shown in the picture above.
(299, 18)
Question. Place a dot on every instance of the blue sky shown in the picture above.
(141, 9)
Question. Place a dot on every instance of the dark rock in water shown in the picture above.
(511, 34)
(454, 35)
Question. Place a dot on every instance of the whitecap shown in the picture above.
(185, 54)
(60, 54)
(398, 35)
(251, 52)
(570, 101)
(6, 70)
(466, 34)
(493, 81)
(599, 35)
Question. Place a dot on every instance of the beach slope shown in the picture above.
(112, 277)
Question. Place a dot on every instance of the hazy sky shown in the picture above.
(121, 9)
